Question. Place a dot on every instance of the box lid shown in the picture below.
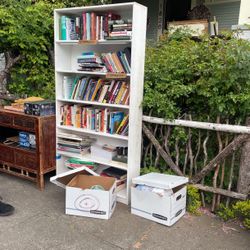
(63, 179)
(160, 180)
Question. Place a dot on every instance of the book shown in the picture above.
(93, 26)
(67, 86)
(119, 174)
(88, 26)
(63, 29)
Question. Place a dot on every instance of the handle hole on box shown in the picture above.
(178, 197)
(178, 213)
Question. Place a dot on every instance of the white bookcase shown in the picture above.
(66, 52)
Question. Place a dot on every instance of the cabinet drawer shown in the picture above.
(6, 154)
(6, 119)
(27, 160)
(25, 123)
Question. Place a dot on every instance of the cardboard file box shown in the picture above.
(81, 200)
(165, 209)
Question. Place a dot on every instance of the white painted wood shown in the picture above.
(66, 53)
(92, 132)
(118, 106)
(200, 125)
(244, 16)
(88, 157)
(136, 89)
(102, 42)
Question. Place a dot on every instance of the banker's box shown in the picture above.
(166, 209)
(83, 201)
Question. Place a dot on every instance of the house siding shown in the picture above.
(227, 14)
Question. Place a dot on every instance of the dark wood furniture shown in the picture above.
(27, 163)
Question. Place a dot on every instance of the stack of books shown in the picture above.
(74, 143)
(119, 174)
(120, 29)
(99, 120)
(90, 61)
(115, 62)
(96, 89)
(73, 163)
(93, 26)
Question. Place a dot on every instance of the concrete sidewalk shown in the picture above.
(40, 223)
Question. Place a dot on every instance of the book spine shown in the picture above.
(97, 27)
(93, 26)
(78, 28)
(88, 24)
(63, 30)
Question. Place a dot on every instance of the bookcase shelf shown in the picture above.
(88, 157)
(98, 42)
(67, 53)
(92, 132)
(85, 72)
(94, 103)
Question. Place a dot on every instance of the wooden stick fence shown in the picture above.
(196, 161)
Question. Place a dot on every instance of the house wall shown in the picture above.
(226, 11)
(244, 17)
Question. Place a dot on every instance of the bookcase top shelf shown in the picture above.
(92, 132)
(98, 42)
(88, 157)
(94, 103)
(98, 8)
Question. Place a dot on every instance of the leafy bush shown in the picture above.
(193, 200)
(225, 213)
(240, 210)
(150, 169)
(208, 77)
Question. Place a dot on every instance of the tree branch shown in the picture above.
(233, 146)
(161, 151)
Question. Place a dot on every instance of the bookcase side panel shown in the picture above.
(136, 88)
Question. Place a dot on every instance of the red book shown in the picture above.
(93, 26)
(84, 29)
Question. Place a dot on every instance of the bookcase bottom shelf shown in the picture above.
(122, 196)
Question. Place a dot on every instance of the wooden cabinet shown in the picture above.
(27, 163)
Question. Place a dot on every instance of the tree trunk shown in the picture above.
(243, 185)
(10, 61)
(161, 151)
(233, 146)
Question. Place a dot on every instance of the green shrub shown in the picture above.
(151, 169)
(225, 213)
(183, 74)
(193, 200)
(239, 210)
(242, 211)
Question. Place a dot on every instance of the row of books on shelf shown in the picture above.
(97, 90)
(115, 62)
(99, 120)
(92, 26)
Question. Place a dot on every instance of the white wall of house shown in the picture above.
(244, 17)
